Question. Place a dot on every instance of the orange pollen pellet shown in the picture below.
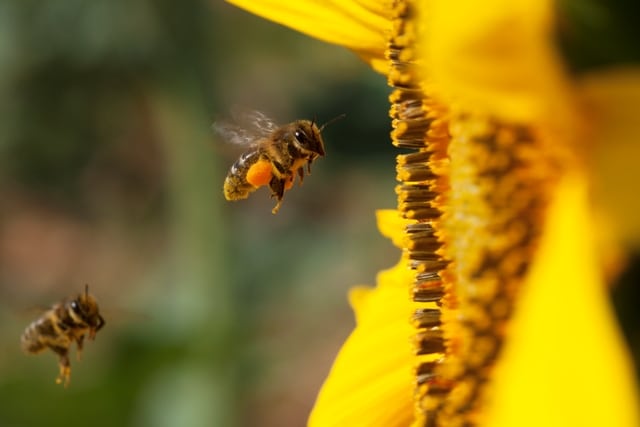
(259, 173)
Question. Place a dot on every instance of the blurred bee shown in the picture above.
(276, 154)
(61, 325)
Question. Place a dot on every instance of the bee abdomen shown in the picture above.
(48, 330)
(236, 185)
(236, 188)
(30, 339)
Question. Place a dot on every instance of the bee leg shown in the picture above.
(301, 174)
(277, 187)
(101, 323)
(276, 208)
(64, 364)
(277, 191)
(79, 342)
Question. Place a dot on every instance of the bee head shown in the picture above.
(307, 138)
(85, 307)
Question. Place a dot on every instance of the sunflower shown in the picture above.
(511, 203)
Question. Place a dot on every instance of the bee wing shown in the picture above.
(246, 126)
(254, 120)
(28, 315)
(34, 310)
(235, 134)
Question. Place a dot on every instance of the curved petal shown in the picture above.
(392, 225)
(498, 58)
(358, 25)
(371, 381)
(564, 363)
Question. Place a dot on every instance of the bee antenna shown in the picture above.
(335, 119)
(86, 289)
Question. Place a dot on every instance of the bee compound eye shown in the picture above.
(75, 307)
(302, 137)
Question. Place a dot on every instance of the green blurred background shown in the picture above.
(218, 314)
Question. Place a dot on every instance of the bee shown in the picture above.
(276, 154)
(65, 322)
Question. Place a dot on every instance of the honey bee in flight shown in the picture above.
(65, 322)
(276, 154)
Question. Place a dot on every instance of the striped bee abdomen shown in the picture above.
(248, 173)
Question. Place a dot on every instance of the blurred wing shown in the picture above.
(254, 121)
(30, 313)
(247, 127)
(235, 134)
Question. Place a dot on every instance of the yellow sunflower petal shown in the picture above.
(358, 25)
(497, 57)
(564, 363)
(371, 381)
(392, 225)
